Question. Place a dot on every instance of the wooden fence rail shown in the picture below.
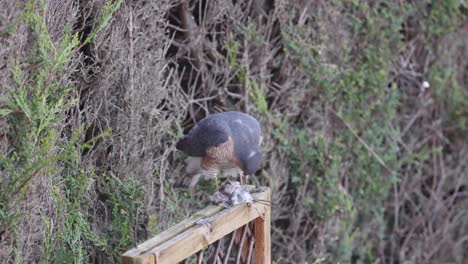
(249, 226)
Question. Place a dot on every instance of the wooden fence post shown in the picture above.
(262, 236)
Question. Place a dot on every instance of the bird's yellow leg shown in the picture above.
(216, 182)
(241, 176)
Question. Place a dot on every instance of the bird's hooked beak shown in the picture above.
(180, 145)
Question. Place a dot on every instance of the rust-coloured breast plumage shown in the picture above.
(221, 157)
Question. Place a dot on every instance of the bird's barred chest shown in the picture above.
(221, 157)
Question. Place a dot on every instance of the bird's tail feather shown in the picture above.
(193, 165)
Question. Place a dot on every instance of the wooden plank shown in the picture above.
(141, 249)
(187, 238)
(262, 236)
(200, 236)
(142, 259)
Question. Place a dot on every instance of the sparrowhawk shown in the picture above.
(223, 142)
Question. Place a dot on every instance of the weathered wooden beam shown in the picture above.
(138, 253)
(187, 237)
(262, 235)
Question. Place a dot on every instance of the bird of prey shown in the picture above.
(222, 142)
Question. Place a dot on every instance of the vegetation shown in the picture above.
(363, 106)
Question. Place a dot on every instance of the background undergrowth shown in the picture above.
(363, 106)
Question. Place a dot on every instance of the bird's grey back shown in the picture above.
(244, 128)
(215, 129)
(209, 132)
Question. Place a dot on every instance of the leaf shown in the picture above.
(5, 112)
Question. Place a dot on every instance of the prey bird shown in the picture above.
(222, 142)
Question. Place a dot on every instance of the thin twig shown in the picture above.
(28, 179)
(241, 244)
(200, 257)
(228, 251)
(216, 252)
(375, 155)
(249, 253)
